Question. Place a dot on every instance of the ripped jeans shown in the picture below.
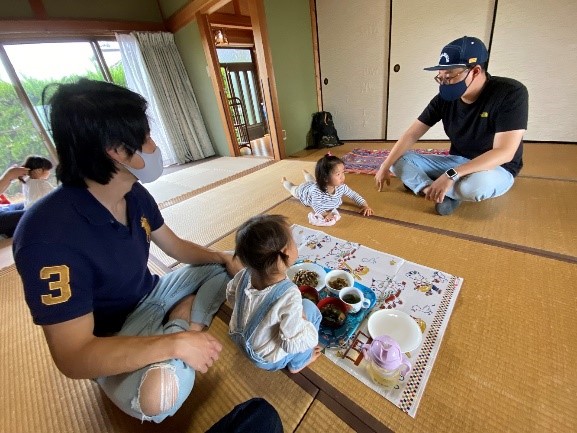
(208, 282)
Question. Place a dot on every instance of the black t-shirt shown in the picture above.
(501, 106)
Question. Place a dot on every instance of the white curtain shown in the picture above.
(137, 80)
(155, 70)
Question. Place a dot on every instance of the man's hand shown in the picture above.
(383, 174)
(232, 264)
(437, 190)
(198, 349)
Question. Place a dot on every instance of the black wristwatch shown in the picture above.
(452, 173)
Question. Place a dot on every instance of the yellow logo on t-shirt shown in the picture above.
(146, 226)
(484, 114)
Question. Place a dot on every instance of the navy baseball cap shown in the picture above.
(463, 52)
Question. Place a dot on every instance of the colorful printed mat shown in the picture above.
(368, 161)
(426, 294)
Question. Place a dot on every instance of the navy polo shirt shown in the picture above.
(75, 258)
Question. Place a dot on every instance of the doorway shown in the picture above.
(244, 96)
(249, 111)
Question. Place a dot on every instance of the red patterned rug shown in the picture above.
(368, 161)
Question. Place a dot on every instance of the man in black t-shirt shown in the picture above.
(484, 117)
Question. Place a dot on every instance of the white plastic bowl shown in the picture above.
(291, 272)
(398, 325)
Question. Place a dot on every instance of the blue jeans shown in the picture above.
(296, 361)
(417, 171)
(10, 214)
(208, 282)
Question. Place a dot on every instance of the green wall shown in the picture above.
(290, 38)
(129, 10)
(15, 9)
(190, 46)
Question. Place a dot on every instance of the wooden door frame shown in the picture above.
(265, 75)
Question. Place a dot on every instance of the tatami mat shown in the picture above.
(535, 213)
(206, 217)
(201, 174)
(320, 419)
(37, 398)
(506, 362)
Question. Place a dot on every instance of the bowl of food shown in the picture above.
(310, 293)
(334, 312)
(337, 279)
(307, 274)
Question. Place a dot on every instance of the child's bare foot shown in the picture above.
(316, 353)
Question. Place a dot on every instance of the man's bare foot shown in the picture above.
(316, 353)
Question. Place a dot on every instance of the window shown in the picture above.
(35, 65)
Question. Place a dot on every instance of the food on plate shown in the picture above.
(304, 277)
(338, 283)
(310, 293)
(332, 315)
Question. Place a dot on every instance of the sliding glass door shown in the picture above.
(26, 70)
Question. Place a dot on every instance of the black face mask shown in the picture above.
(452, 92)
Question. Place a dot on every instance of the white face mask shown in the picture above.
(152, 166)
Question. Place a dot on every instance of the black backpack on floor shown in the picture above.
(323, 132)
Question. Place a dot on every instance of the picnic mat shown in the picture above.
(366, 161)
(426, 294)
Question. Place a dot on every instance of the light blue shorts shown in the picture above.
(208, 282)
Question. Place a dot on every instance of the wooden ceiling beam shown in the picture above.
(188, 12)
(11, 29)
(230, 21)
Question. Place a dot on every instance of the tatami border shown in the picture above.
(495, 243)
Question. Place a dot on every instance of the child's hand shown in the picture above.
(329, 216)
(366, 211)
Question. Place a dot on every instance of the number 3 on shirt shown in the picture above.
(62, 284)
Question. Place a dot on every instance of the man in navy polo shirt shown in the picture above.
(485, 118)
(82, 255)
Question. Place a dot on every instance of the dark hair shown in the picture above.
(323, 169)
(35, 162)
(88, 118)
(260, 240)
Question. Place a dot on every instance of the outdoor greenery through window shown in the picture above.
(37, 65)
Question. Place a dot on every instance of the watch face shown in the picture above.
(451, 173)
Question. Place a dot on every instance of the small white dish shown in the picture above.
(306, 266)
(398, 325)
(338, 273)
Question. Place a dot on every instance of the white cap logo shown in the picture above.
(444, 56)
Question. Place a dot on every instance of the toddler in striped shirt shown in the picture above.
(325, 194)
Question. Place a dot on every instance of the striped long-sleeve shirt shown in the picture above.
(311, 195)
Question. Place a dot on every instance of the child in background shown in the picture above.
(325, 194)
(270, 321)
(36, 186)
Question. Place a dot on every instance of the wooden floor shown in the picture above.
(518, 257)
